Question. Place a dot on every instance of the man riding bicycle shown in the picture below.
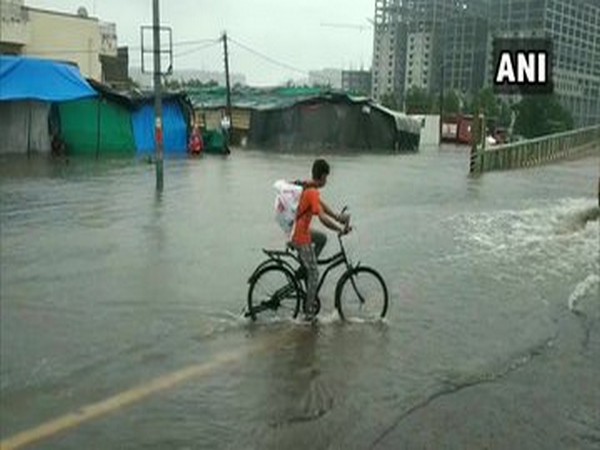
(303, 237)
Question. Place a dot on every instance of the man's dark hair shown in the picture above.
(320, 168)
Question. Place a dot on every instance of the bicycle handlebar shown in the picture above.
(348, 228)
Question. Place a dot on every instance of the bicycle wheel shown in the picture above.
(361, 293)
(273, 293)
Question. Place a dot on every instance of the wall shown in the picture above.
(14, 25)
(65, 37)
(430, 131)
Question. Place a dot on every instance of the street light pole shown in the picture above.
(158, 126)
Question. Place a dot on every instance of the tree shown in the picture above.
(418, 101)
(486, 102)
(389, 100)
(173, 84)
(497, 112)
(538, 115)
(451, 103)
(505, 115)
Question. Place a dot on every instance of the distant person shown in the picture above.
(304, 237)
(58, 146)
(196, 144)
(225, 129)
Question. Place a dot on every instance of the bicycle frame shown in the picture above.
(332, 262)
(288, 261)
(277, 257)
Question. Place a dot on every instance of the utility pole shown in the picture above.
(158, 126)
(442, 96)
(227, 84)
(440, 44)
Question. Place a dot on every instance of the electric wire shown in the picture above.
(270, 59)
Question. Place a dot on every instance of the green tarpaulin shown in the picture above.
(79, 122)
(214, 141)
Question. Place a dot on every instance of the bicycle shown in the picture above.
(360, 292)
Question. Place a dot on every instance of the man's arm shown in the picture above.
(325, 220)
(341, 218)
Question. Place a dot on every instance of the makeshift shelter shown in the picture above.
(120, 123)
(27, 87)
(175, 120)
(24, 126)
(311, 118)
(96, 126)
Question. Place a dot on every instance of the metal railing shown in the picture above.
(534, 152)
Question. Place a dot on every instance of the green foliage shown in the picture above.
(539, 115)
(172, 84)
(496, 111)
(505, 115)
(191, 83)
(486, 101)
(320, 84)
(451, 103)
(418, 101)
(389, 100)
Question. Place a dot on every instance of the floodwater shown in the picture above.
(121, 310)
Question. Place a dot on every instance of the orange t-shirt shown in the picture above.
(309, 206)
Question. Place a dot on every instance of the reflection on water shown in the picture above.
(105, 286)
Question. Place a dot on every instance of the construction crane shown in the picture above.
(354, 26)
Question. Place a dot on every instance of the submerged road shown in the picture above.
(121, 324)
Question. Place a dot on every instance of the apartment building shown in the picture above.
(574, 27)
(448, 43)
(427, 43)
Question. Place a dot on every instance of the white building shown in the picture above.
(418, 60)
(75, 38)
(384, 51)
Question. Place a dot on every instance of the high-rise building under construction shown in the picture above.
(427, 43)
(448, 43)
(574, 27)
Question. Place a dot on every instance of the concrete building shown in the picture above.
(435, 43)
(407, 41)
(425, 43)
(574, 26)
(75, 38)
(357, 82)
(466, 47)
(419, 60)
(385, 67)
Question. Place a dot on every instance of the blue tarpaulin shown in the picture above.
(38, 79)
(174, 126)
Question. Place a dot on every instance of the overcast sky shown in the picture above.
(287, 31)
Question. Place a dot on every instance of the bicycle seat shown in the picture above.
(285, 252)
